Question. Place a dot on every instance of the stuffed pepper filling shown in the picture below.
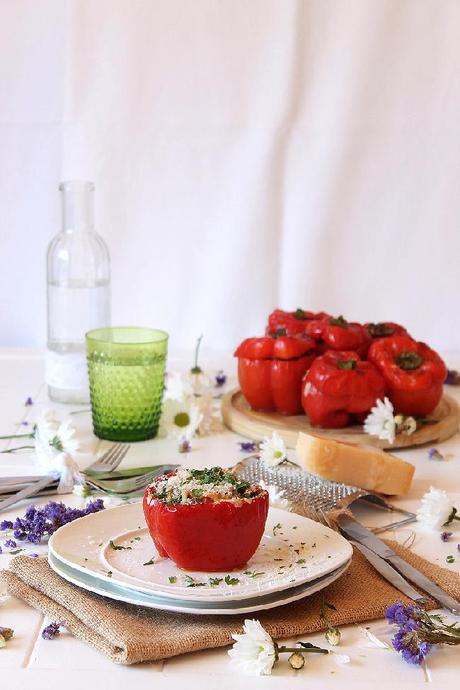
(202, 486)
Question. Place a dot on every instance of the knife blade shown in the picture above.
(361, 534)
(389, 573)
(30, 490)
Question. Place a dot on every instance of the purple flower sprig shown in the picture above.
(39, 523)
(248, 446)
(220, 379)
(434, 454)
(51, 630)
(418, 631)
(445, 536)
(452, 378)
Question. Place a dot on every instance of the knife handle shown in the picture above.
(425, 583)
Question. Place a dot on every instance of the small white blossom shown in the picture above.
(180, 419)
(254, 650)
(435, 509)
(277, 498)
(340, 658)
(273, 450)
(55, 446)
(178, 387)
(380, 421)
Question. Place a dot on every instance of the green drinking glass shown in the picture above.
(126, 368)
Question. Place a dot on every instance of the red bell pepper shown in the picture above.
(270, 371)
(206, 536)
(339, 387)
(385, 329)
(339, 334)
(292, 321)
(414, 374)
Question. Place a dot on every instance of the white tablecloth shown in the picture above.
(30, 661)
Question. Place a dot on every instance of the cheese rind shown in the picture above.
(363, 466)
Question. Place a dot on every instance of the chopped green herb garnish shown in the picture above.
(190, 582)
(109, 573)
(215, 581)
(277, 528)
(13, 553)
(252, 573)
(449, 559)
(172, 579)
(118, 547)
(300, 561)
(231, 580)
(150, 562)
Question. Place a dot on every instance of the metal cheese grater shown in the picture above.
(310, 494)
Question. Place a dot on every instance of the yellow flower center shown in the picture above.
(182, 419)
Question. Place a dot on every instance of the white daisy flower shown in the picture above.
(180, 419)
(55, 446)
(53, 437)
(277, 498)
(178, 387)
(436, 509)
(380, 421)
(273, 450)
(254, 650)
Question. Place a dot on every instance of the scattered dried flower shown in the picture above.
(452, 378)
(434, 454)
(52, 630)
(248, 446)
(220, 379)
(445, 536)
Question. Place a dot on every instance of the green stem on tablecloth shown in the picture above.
(17, 436)
(13, 450)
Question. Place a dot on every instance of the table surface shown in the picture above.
(29, 661)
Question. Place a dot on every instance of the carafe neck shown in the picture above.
(77, 206)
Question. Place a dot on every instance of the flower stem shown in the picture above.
(17, 436)
(314, 650)
(13, 450)
(197, 369)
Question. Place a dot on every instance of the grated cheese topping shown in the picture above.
(202, 486)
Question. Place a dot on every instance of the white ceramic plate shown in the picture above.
(227, 608)
(294, 550)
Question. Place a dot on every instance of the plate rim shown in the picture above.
(174, 606)
(195, 595)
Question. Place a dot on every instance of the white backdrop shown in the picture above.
(247, 154)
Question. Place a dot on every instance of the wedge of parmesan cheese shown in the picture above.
(363, 466)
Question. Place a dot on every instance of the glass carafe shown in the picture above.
(78, 275)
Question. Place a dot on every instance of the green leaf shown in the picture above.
(118, 547)
(232, 581)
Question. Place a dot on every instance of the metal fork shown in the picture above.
(129, 485)
(110, 459)
(383, 567)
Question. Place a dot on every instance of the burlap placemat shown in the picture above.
(128, 634)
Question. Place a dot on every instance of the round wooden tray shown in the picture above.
(238, 416)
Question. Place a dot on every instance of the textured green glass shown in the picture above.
(126, 368)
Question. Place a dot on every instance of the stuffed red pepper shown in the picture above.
(385, 329)
(339, 334)
(270, 371)
(340, 388)
(413, 372)
(292, 322)
(207, 519)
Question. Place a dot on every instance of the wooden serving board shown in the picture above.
(238, 416)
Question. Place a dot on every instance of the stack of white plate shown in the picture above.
(111, 553)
